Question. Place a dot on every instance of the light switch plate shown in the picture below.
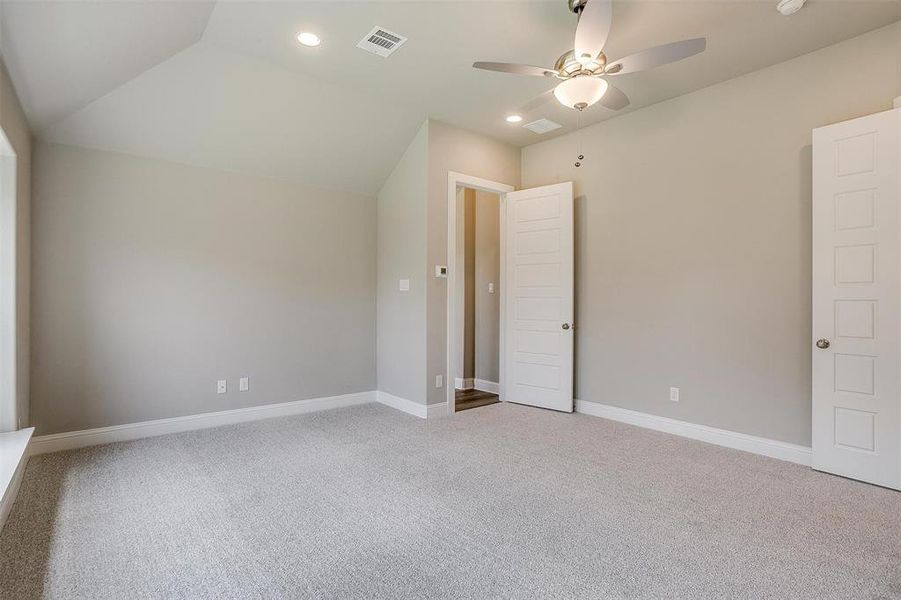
(674, 394)
(404, 285)
(439, 381)
(244, 384)
(490, 287)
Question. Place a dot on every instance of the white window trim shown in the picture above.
(8, 236)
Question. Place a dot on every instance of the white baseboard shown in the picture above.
(464, 383)
(483, 385)
(721, 437)
(434, 411)
(416, 409)
(132, 431)
(13, 459)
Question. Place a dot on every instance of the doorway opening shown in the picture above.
(475, 313)
(477, 376)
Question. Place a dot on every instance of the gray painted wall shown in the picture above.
(487, 269)
(453, 149)
(401, 255)
(693, 239)
(12, 121)
(152, 280)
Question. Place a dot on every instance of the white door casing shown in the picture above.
(455, 181)
(537, 362)
(856, 303)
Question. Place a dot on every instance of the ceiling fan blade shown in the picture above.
(515, 68)
(593, 28)
(536, 102)
(614, 98)
(656, 56)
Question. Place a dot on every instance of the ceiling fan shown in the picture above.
(584, 68)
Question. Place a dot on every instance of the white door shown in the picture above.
(856, 401)
(537, 365)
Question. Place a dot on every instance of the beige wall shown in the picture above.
(693, 240)
(401, 254)
(453, 149)
(469, 282)
(898, 66)
(12, 121)
(481, 313)
(487, 270)
(152, 280)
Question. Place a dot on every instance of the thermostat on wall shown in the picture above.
(441, 271)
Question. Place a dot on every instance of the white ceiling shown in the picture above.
(227, 86)
(63, 55)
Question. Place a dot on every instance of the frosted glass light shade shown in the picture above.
(580, 92)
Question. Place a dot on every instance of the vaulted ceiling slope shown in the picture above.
(64, 55)
(226, 85)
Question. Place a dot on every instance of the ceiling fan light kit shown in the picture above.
(580, 92)
(584, 68)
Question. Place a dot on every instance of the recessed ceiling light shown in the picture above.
(308, 39)
(514, 119)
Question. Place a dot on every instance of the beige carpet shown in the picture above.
(498, 502)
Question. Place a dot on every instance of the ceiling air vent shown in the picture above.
(542, 126)
(381, 41)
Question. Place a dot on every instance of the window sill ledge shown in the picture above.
(13, 455)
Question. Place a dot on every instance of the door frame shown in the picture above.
(455, 180)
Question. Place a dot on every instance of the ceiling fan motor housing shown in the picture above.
(567, 66)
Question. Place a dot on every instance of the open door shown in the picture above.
(856, 341)
(537, 361)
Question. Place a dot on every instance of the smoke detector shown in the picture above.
(789, 7)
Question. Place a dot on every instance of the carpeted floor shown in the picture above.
(500, 502)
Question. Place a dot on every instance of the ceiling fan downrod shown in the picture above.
(576, 6)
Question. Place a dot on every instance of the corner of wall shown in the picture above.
(471, 153)
(401, 252)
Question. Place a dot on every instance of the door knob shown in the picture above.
(566, 326)
(822, 344)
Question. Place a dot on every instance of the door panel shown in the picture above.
(538, 260)
(856, 402)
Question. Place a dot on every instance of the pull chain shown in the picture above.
(579, 140)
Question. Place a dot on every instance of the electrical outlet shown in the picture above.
(674, 394)
(221, 386)
(244, 384)
(439, 381)
(490, 287)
